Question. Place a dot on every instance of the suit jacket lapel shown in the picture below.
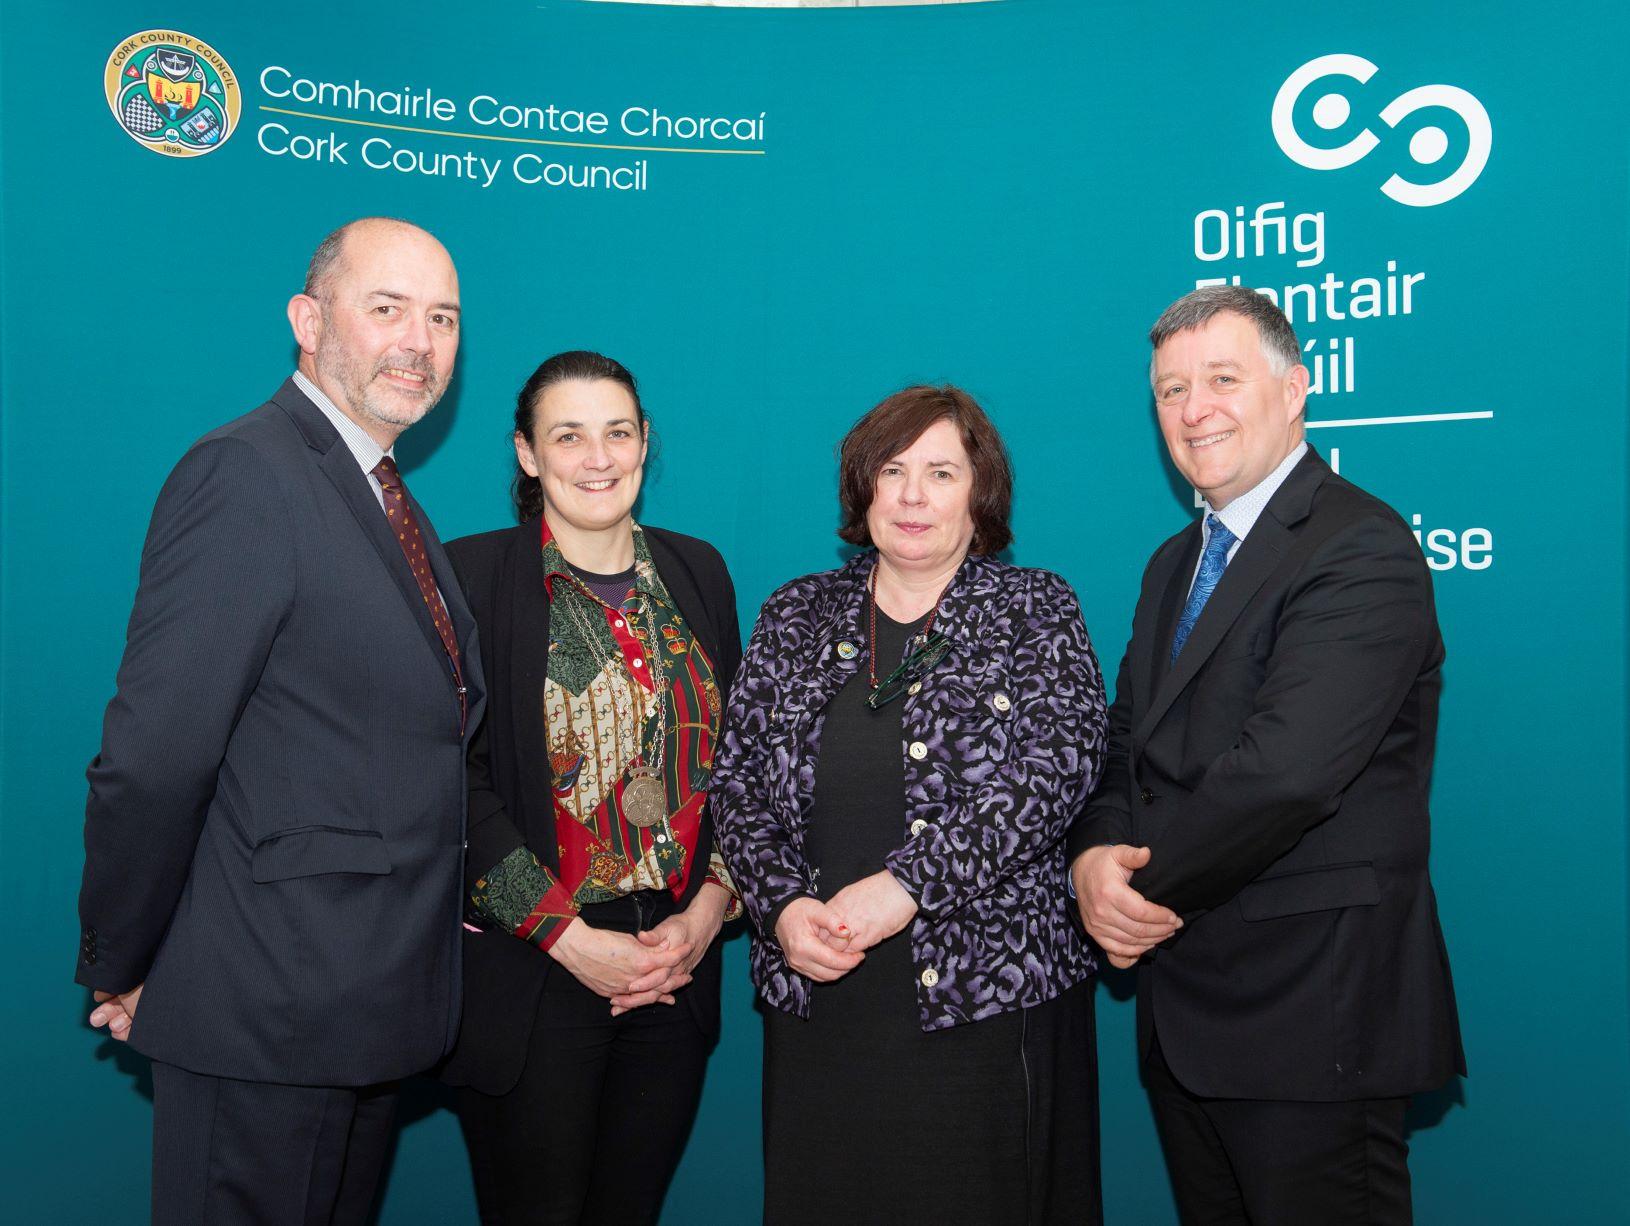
(452, 594)
(962, 609)
(1155, 647)
(841, 621)
(523, 599)
(1258, 554)
(1253, 562)
(458, 610)
(341, 468)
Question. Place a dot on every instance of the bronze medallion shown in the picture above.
(645, 800)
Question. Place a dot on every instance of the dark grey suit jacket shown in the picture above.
(1279, 774)
(274, 835)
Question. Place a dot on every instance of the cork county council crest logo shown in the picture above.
(172, 93)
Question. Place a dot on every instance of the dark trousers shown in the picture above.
(597, 1123)
(1249, 1162)
(227, 1152)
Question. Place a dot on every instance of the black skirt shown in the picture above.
(867, 1117)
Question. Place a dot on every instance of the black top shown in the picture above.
(859, 804)
(858, 817)
(613, 589)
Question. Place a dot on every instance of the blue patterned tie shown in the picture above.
(1212, 563)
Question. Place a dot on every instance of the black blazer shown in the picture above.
(275, 822)
(511, 781)
(1279, 774)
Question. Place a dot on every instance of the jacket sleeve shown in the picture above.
(1106, 818)
(217, 582)
(1022, 810)
(768, 870)
(1356, 628)
(504, 881)
(506, 884)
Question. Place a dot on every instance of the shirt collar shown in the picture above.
(361, 444)
(555, 565)
(1240, 515)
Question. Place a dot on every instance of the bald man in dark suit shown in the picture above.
(274, 836)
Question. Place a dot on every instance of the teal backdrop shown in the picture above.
(1002, 195)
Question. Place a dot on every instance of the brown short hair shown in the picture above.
(896, 423)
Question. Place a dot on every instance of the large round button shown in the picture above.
(915, 688)
(918, 750)
(930, 977)
(1001, 702)
(917, 827)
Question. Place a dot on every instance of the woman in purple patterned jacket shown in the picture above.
(907, 741)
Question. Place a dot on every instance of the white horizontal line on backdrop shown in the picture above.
(1484, 415)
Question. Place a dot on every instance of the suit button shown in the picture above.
(90, 957)
(918, 750)
(917, 827)
(1146, 796)
(930, 977)
(1002, 703)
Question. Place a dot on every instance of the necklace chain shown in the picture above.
(871, 624)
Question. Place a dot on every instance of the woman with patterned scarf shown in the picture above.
(596, 898)
(908, 740)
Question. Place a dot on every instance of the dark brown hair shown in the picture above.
(581, 364)
(898, 422)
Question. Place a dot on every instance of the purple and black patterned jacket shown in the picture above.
(1003, 744)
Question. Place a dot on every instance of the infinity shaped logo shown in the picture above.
(1426, 147)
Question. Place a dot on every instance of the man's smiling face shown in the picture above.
(1227, 417)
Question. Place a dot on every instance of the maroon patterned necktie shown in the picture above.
(406, 527)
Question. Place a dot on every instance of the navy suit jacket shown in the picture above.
(274, 835)
(1278, 773)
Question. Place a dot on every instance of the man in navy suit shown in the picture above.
(274, 834)
(1258, 841)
